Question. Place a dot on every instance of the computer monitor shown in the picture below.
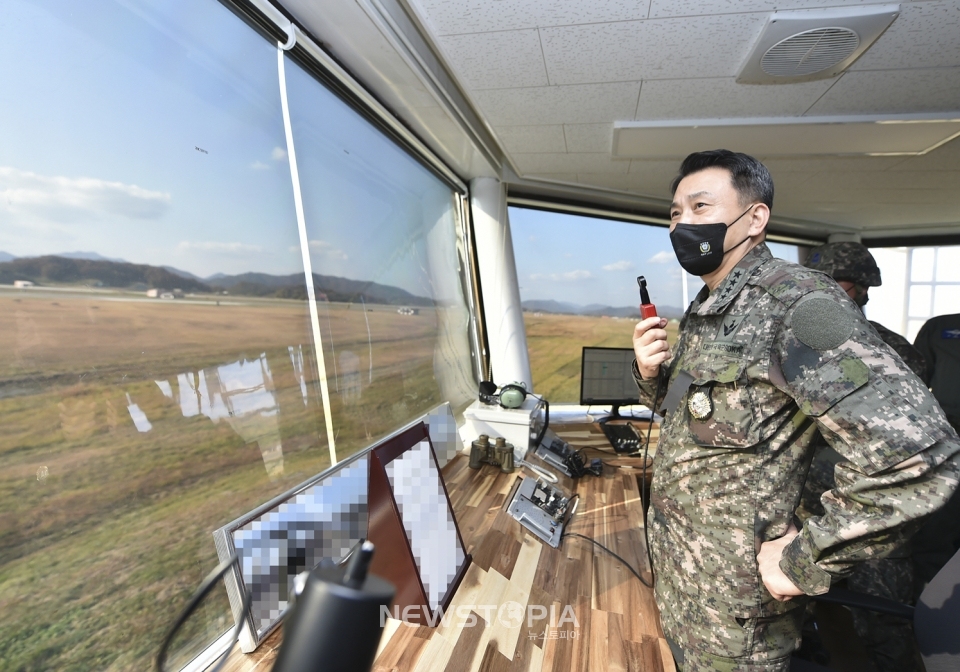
(606, 378)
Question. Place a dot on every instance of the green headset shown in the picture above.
(508, 396)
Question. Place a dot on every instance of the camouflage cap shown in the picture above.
(845, 261)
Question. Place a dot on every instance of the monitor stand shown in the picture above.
(614, 414)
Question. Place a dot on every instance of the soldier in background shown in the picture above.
(889, 640)
(936, 542)
(856, 271)
(769, 355)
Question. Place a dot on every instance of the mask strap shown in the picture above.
(734, 222)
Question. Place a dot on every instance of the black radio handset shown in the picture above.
(647, 309)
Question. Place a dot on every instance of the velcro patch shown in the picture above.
(822, 324)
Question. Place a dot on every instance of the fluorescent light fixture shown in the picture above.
(875, 135)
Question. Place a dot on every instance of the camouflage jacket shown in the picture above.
(776, 353)
(909, 354)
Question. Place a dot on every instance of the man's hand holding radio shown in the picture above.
(650, 345)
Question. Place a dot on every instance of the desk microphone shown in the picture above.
(337, 619)
(647, 309)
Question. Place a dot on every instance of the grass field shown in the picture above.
(106, 530)
(555, 344)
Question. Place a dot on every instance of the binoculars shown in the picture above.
(499, 454)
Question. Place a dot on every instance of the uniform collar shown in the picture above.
(731, 285)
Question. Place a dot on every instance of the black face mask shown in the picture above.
(860, 295)
(699, 247)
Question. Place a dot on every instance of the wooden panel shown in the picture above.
(611, 621)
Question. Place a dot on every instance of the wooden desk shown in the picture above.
(617, 625)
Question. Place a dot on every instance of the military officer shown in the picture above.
(769, 354)
(889, 640)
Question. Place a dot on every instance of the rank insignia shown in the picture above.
(700, 404)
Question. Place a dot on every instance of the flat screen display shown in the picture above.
(606, 377)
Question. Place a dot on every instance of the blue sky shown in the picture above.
(153, 132)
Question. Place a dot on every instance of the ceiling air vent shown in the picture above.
(805, 45)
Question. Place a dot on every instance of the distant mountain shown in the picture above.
(335, 288)
(228, 281)
(75, 271)
(65, 270)
(6, 256)
(90, 256)
(550, 306)
(183, 274)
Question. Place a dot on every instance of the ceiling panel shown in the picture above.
(836, 164)
(655, 176)
(580, 163)
(604, 61)
(778, 136)
(654, 49)
(945, 157)
(449, 17)
(942, 182)
(892, 92)
(925, 35)
(497, 60)
(620, 182)
(532, 139)
(722, 97)
(580, 104)
(588, 137)
(662, 8)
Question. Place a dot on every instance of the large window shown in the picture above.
(918, 283)
(383, 245)
(159, 374)
(578, 286)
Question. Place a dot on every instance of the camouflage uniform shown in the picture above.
(773, 355)
(889, 640)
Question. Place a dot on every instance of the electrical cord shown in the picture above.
(597, 543)
(208, 583)
(542, 473)
(643, 477)
(546, 418)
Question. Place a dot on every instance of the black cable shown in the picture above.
(643, 478)
(208, 583)
(546, 419)
(597, 543)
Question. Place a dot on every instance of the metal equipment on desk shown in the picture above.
(541, 508)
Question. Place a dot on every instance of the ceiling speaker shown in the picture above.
(802, 46)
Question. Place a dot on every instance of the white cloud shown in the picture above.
(218, 246)
(322, 247)
(278, 154)
(258, 165)
(662, 258)
(569, 276)
(619, 266)
(68, 199)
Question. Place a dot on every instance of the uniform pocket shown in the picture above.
(718, 407)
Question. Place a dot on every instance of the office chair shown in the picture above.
(936, 618)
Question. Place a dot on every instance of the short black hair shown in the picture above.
(750, 178)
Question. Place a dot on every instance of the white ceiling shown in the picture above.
(550, 78)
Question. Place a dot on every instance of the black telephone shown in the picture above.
(559, 454)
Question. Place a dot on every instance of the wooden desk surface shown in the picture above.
(612, 622)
